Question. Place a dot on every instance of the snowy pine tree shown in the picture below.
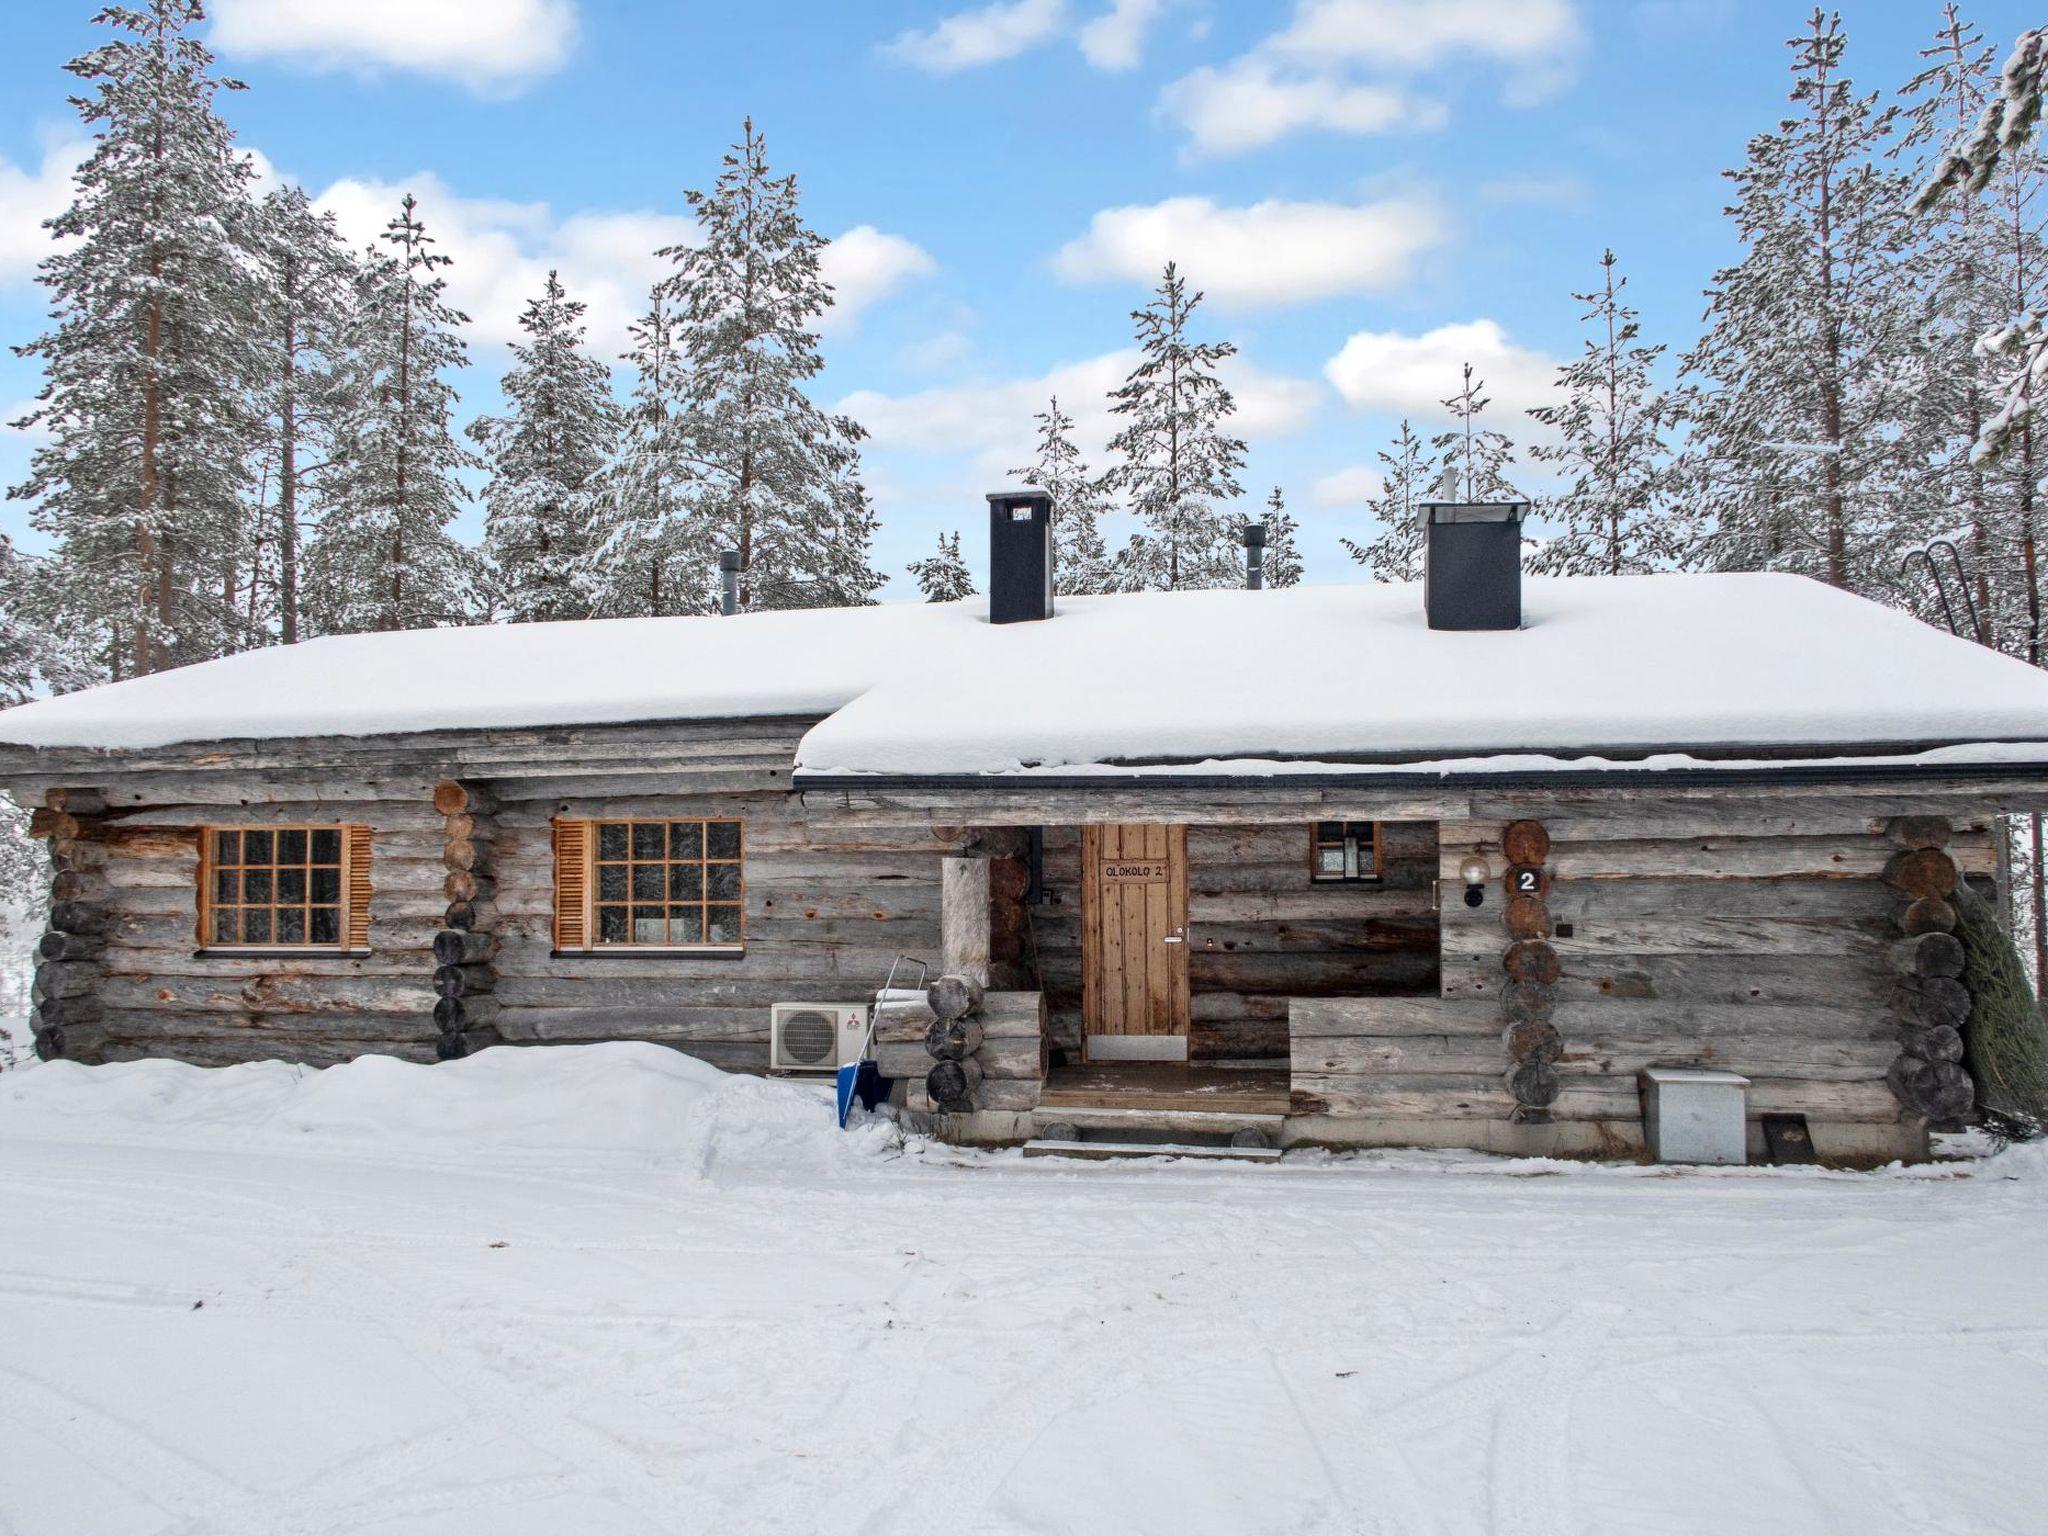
(1982, 261)
(943, 577)
(1080, 563)
(1283, 557)
(546, 459)
(1473, 461)
(1179, 463)
(1799, 386)
(647, 559)
(384, 557)
(1408, 470)
(1612, 424)
(772, 475)
(306, 279)
(147, 363)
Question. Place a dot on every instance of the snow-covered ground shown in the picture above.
(607, 1289)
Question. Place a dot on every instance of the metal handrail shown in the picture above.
(1925, 552)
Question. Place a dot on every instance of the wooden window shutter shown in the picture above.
(358, 856)
(572, 884)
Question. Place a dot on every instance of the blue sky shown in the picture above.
(1369, 190)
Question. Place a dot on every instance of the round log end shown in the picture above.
(1534, 1042)
(1532, 960)
(1535, 1085)
(1921, 872)
(1525, 842)
(1941, 1042)
(1527, 918)
(951, 1084)
(1931, 955)
(1930, 914)
(1528, 1001)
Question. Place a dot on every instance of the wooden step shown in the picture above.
(1106, 1151)
(1165, 1116)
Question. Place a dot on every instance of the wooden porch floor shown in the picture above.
(1163, 1085)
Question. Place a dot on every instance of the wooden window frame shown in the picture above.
(1356, 875)
(352, 905)
(583, 888)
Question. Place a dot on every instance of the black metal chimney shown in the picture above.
(1472, 564)
(1254, 556)
(1019, 556)
(729, 582)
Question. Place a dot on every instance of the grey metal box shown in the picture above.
(1692, 1115)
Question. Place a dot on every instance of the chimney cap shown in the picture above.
(1474, 511)
(728, 559)
(1254, 535)
(1024, 493)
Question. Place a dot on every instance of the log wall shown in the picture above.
(161, 997)
(1763, 949)
(826, 910)
(1260, 932)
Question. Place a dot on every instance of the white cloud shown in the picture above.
(502, 252)
(1251, 103)
(864, 265)
(1413, 375)
(990, 419)
(1410, 35)
(1349, 487)
(987, 36)
(27, 197)
(1272, 252)
(1115, 40)
(488, 45)
(1340, 67)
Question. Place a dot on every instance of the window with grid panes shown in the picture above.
(667, 883)
(1344, 851)
(272, 886)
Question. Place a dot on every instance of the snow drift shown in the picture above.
(622, 1097)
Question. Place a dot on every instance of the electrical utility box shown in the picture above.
(1693, 1115)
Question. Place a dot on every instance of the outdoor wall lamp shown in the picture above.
(1475, 872)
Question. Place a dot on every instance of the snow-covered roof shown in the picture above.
(1228, 682)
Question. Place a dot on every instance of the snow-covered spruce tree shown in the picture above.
(1611, 423)
(147, 362)
(1473, 461)
(1982, 263)
(384, 557)
(645, 559)
(546, 458)
(1798, 390)
(1283, 556)
(943, 577)
(306, 286)
(1179, 464)
(1080, 563)
(1408, 470)
(771, 474)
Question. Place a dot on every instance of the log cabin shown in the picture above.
(1447, 864)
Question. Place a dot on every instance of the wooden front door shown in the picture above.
(1134, 953)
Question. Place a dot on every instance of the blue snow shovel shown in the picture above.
(862, 1079)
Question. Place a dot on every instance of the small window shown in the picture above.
(1342, 851)
(285, 888)
(649, 884)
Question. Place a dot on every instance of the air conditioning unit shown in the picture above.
(815, 1037)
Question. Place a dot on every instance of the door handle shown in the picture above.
(1178, 936)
